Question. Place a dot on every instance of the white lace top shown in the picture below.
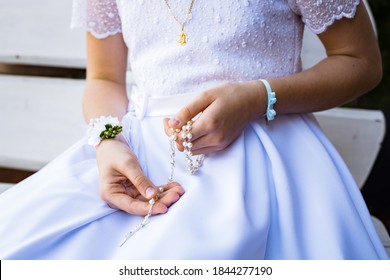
(227, 40)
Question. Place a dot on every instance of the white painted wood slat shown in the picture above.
(357, 134)
(38, 33)
(39, 118)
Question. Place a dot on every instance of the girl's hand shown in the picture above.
(124, 186)
(225, 109)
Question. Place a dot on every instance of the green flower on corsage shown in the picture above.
(111, 131)
(102, 128)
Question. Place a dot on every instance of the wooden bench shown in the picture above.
(37, 33)
(41, 116)
(42, 113)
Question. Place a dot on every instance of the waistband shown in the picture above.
(158, 106)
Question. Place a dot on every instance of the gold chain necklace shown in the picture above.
(182, 36)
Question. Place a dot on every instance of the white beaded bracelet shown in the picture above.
(271, 97)
(102, 128)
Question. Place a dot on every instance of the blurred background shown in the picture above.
(376, 190)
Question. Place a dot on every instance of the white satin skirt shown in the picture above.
(277, 192)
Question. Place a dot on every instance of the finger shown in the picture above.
(175, 134)
(134, 206)
(204, 142)
(171, 194)
(168, 131)
(168, 195)
(167, 128)
(129, 188)
(134, 173)
(173, 186)
(206, 150)
(199, 132)
(189, 111)
(167, 200)
(212, 143)
(202, 135)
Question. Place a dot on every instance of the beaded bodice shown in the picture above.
(227, 40)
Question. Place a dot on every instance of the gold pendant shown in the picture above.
(182, 38)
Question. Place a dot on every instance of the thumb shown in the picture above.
(141, 182)
(189, 111)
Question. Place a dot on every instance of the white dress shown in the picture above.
(277, 192)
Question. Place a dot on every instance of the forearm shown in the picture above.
(104, 98)
(333, 82)
(105, 92)
(353, 67)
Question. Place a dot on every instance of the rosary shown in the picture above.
(193, 167)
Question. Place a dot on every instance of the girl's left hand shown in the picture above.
(226, 110)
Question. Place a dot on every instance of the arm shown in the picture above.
(105, 92)
(123, 185)
(352, 68)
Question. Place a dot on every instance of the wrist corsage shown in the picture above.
(102, 128)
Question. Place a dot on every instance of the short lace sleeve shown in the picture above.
(100, 17)
(319, 14)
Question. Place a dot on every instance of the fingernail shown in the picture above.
(173, 122)
(149, 192)
(160, 212)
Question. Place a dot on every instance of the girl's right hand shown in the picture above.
(124, 186)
